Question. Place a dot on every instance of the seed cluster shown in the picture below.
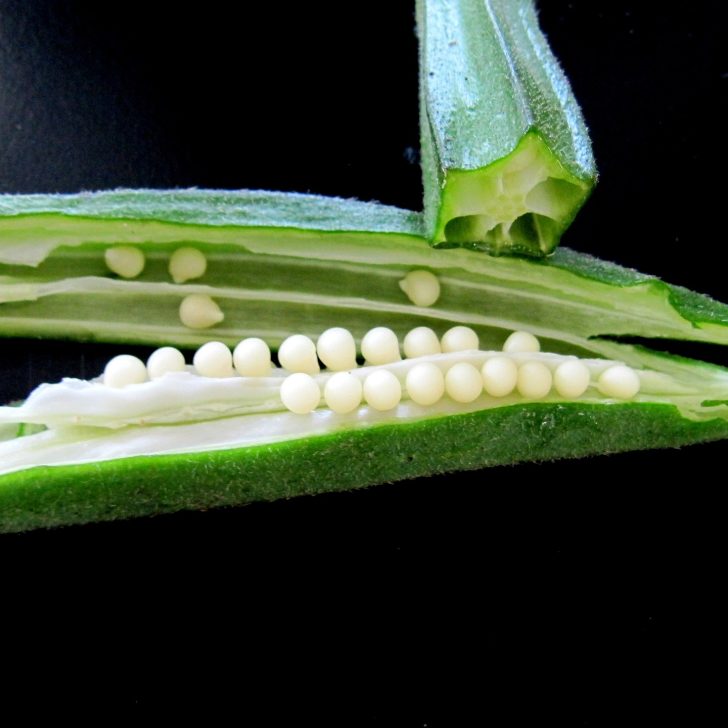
(200, 311)
(425, 382)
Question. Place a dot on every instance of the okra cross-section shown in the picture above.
(171, 437)
(506, 157)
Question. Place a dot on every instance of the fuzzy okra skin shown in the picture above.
(50, 496)
(506, 156)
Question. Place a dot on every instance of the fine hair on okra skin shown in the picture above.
(158, 268)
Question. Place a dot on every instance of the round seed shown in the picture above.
(199, 311)
(124, 260)
(459, 338)
(124, 369)
(380, 346)
(166, 359)
(382, 390)
(421, 287)
(534, 380)
(571, 379)
(300, 393)
(298, 354)
(187, 264)
(421, 341)
(500, 375)
(619, 381)
(343, 392)
(337, 349)
(521, 341)
(251, 358)
(213, 359)
(425, 383)
(463, 382)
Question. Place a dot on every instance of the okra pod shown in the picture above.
(506, 156)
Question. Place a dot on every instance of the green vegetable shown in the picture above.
(280, 264)
(340, 264)
(506, 157)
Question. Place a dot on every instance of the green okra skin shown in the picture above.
(51, 496)
(506, 156)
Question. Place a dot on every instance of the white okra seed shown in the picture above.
(213, 359)
(124, 369)
(571, 378)
(421, 341)
(166, 359)
(199, 311)
(500, 375)
(459, 338)
(534, 380)
(425, 383)
(463, 382)
(297, 353)
(337, 349)
(421, 287)
(619, 381)
(251, 358)
(300, 393)
(343, 392)
(380, 346)
(382, 390)
(521, 341)
(186, 264)
(124, 260)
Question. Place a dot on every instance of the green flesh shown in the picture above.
(274, 278)
(506, 157)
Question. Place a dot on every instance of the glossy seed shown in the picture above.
(534, 380)
(297, 353)
(251, 358)
(521, 341)
(425, 383)
(124, 260)
(337, 349)
(123, 370)
(382, 390)
(380, 346)
(343, 392)
(165, 360)
(300, 393)
(213, 359)
(500, 375)
(571, 379)
(463, 383)
(459, 338)
(186, 264)
(421, 341)
(199, 311)
(619, 381)
(421, 287)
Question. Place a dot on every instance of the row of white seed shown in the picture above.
(335, 347)
(425, 384)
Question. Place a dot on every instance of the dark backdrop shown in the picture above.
(560, 590)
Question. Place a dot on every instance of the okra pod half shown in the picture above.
(197, 433)
(506, 156)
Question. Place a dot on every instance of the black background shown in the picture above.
(583, 592)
